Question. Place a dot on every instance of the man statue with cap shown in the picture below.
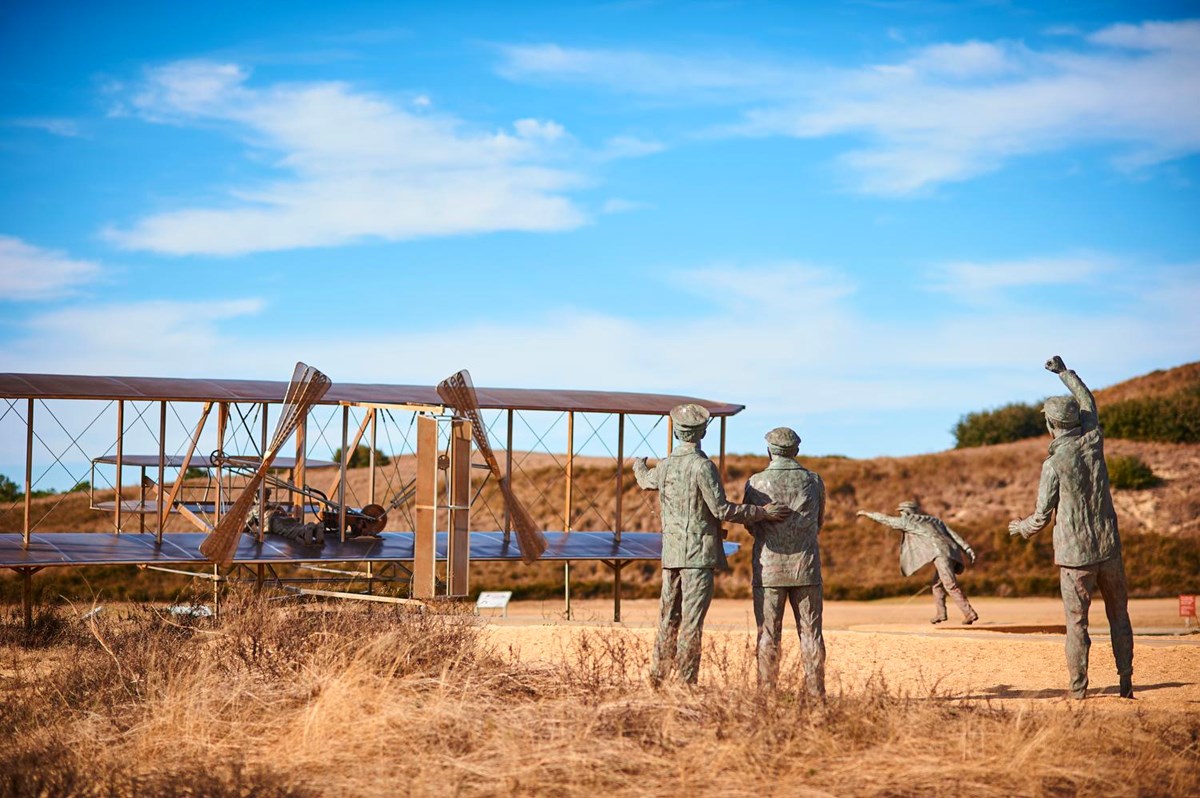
(787, 562)
(1087, 546)
(692, 504)
(927, 539)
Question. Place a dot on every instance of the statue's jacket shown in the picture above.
(693, 505)
(786, 552)
(927, 538)
(1074, 485)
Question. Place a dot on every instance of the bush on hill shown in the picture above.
(1130, 473)
(1166, 419)
(1013, 422)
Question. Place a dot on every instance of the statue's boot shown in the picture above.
(971, 618)
(939, 603)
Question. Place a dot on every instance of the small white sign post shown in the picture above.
(496, 600)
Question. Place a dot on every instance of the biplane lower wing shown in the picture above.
(48, 549)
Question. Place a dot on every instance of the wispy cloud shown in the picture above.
(28, 272)
(942, 113)
(149, 335)
(973, 281)
(354, 166)
(58, 126)
(789, 339)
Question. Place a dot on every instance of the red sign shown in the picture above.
(1187, 606)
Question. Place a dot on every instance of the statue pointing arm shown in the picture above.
(886, 520)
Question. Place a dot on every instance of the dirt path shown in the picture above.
(1013, 657)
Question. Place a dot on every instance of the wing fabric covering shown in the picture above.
(458, 391)
(306, 389)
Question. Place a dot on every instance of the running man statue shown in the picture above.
(693, 505)
(1087, 547)
(927, 539)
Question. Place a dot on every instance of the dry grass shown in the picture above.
(318, 700)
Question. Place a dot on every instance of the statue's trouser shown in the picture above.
(945, 582)
(807, 606)
(1078, 586)
(686, 594)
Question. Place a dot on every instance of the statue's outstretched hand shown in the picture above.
(777, 511)
(1056, 365)
(861, 512)
(971, 553)
(1014, 526)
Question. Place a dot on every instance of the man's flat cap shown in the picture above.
(909, 505)
(689, 416)
(783, 437)
(1062, 410)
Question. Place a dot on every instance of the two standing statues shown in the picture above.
(784, 510)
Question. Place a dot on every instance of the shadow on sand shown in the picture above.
(1006, 691)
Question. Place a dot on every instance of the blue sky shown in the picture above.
(861, 219)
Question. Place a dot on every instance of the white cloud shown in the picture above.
(618, 205)
(790, 340)
(58, 126)
(29, 272)
(974, 281)
(629, 147)
(354, 165)
(658, 75)
(946, 112)
(134, 338)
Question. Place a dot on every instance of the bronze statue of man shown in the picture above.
(1087, 547)
(693, 505)
(927, 539)
(787, 561)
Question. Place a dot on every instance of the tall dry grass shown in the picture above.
(312, 699)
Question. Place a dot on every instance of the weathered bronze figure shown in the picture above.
(787, 561)
(1087, 547)
(927, 539)
(693, 505)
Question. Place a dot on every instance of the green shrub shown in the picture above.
(361, 457)
(1127, 472)
(1167, 419)
(1012, 422)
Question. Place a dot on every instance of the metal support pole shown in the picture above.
(567, 589)
(343, 467)
(120, 458)
(617, 520)
(162, 468)
(222, 422)
(722, 461)
(570, 497)
(617, 566)
(27, 597)
(216, 591)
(371, 457)
(508, 462)
(142, 502)
(670, 434)
(28, 474)
(263, 518)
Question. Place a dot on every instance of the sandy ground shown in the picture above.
(1013, 656)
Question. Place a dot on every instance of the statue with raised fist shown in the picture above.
(1087, 546)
